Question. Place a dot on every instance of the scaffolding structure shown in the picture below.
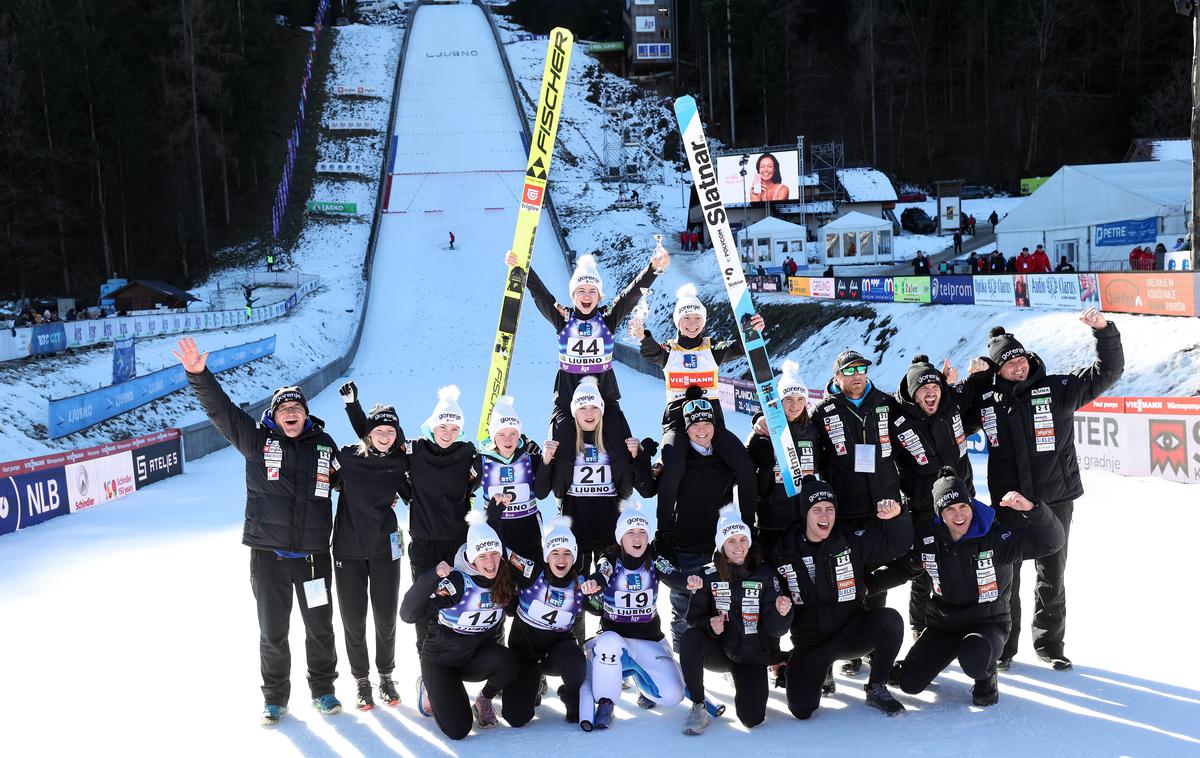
(827, 159)
(620, 147)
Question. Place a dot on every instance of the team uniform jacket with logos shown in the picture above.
(458, 610)
(687, 361)
(775, 509)
(519, 524)
(288, 481)
(828, 580)
(590, 485)
(926, 443)
(841, 427)
(629, 599)
(708, 482)
(747, 602)
(546, 607)
(1030, 426)
(585, 343)
(972, 578)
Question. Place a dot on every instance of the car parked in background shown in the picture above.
(911, 195)
(917, 221)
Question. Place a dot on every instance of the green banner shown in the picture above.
(911, 289)
(605, 47)
(316, 206)
(1032, 183)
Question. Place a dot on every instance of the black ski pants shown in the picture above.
(698, 651)
(563, 659)
(1049, 596)
(492, 663)
(273, 581)
(379, 580)
(877, 631)
(975, 648)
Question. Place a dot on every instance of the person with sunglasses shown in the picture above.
(856, 425)
(687, 523)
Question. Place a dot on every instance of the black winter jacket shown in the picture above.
(829, 601)
(440, 483)
(972, 578)
(841, 426)
(1030, 426)
(366, 513)
(775, 510)
(288, 481)
(926, 443)
(752, 623)
(690, 523)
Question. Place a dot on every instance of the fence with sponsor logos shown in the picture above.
(53, 338)
(1149, 293)
(1132, 436)
(70, 414)
(35, 490)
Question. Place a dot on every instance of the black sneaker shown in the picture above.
(879, 697)
(828, 686)
(985, 692)
(1004, 664)
(364, 700)
(604, 714)
(387, 690)
(851, 667)
(1059, 661)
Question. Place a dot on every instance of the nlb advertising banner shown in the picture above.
(34, 490)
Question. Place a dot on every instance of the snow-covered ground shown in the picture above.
(131, 627)
(318, 330)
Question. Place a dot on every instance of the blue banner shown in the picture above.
(124, 360)
(48, 338)
(70, 414)
(977, 444)
(877, 289)
(1120, 233)
(952, 290)
(33, 498)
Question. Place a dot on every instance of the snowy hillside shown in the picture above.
(320, 327)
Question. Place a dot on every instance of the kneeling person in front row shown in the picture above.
(825, 568)
(969, 559)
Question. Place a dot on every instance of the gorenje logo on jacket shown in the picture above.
(585, 346)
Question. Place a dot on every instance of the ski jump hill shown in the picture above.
(131, 628)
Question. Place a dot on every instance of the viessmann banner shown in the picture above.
(35, 490)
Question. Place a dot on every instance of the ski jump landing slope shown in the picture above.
(130, 630)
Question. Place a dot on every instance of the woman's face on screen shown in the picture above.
(766, 169)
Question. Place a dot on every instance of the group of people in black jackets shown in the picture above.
(886, 498)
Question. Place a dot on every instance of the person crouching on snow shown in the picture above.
(461, 607)
(631, 634)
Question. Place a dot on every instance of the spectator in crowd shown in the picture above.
(1160, 256)
(1064, 266)
(958, 242)
(1011, 266)
(685, 238)
(1179, 244)
(634, 196)
(1140, 259)
(828, 273)
(1024, 262)
(971, 225)
(944, 268)
(973, 262)
(920, 264)
(996, 265)
(1041, 261)
(695, 239)
(993, 220)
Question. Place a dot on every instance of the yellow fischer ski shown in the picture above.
(533, 191)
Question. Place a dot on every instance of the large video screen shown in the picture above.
(773, 176)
